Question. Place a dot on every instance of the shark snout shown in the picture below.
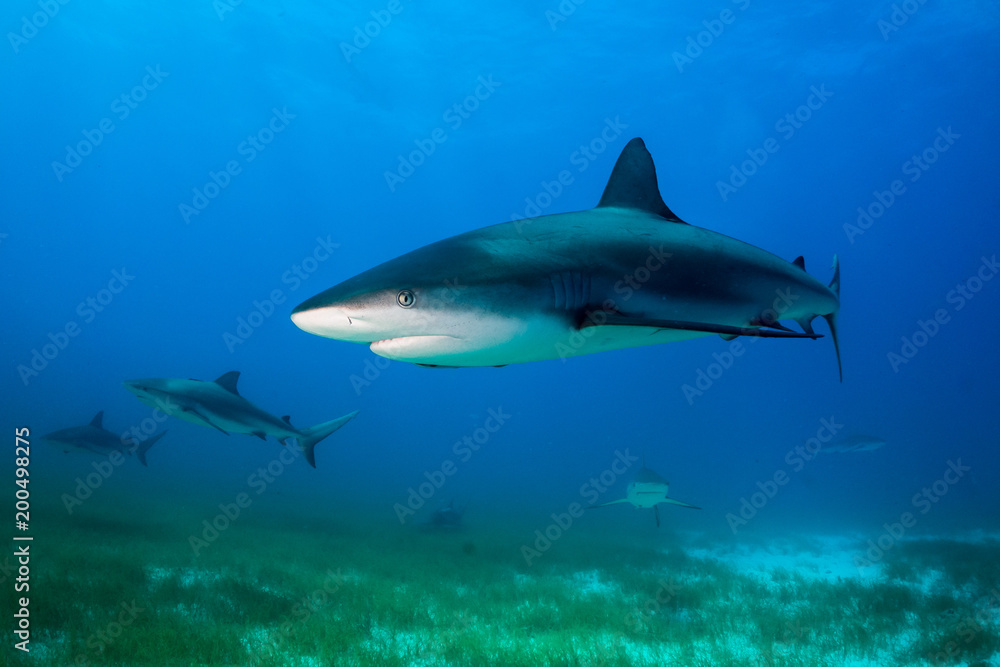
(334, 322)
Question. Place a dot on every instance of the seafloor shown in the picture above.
(118, 583)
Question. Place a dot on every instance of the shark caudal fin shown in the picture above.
(831, 319)
(140, 451)
(313, 435)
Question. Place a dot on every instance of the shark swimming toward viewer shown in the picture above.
(647, 490)
(219, 405)
(96, 439)
(626, 273)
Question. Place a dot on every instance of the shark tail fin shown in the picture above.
(140, 451)
(313, 435)
(831, 319)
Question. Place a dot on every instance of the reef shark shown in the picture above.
(447, 518)
(96, 439)
(626, 273)
(647, 489)
(854, 443)
(219, 405)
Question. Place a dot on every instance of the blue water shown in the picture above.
(119, 122)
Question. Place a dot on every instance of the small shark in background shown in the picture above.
(854, 443)
(94, 438)
(647, 490)
(219, 405)
(627, 273)
(446, 518)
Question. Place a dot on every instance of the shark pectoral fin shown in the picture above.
(706, 327)
(677, 502)
(260, 434)
(205, 420)
(613, 502)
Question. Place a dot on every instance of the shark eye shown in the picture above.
(405, 298)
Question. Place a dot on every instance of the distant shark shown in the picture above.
(646, 490)
(854, 443)
(219, 405)
(446, 518)
(626, 273)
(94, 438)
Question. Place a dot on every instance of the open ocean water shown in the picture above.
(177, 177)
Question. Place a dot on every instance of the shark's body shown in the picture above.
(854, 443)
(447, 518)
(96, 439)
(626, 273)
(219, 405)
(647, 490)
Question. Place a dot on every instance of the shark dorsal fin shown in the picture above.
(98, 418)
(633, 183)
(228, 381)
(800, 262)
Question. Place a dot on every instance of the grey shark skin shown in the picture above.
(626, 273)
(854, 443)
(94, 438)
(219, 405)
(647, 489)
